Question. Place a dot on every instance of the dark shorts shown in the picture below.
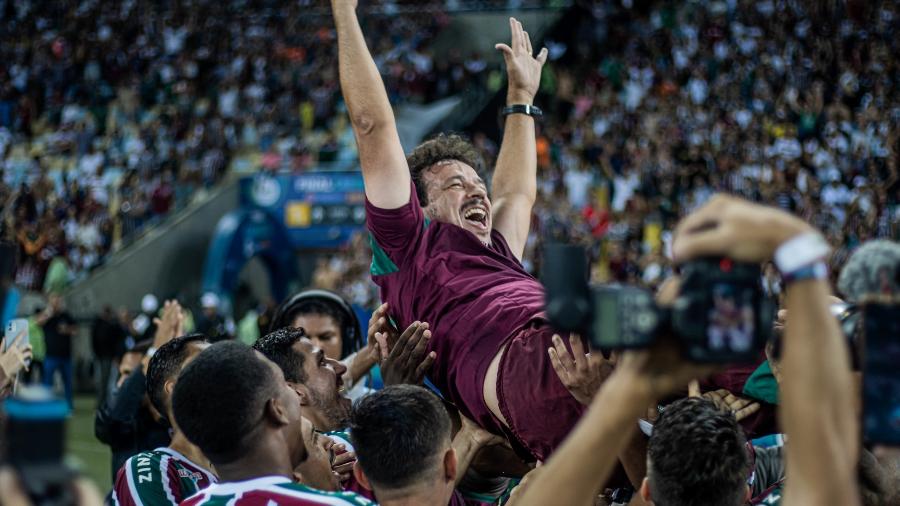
(539, 409)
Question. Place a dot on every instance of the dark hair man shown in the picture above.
(444, 252)
(419, 460)
(414, 461)
(817, 389)
(315, 378)
(166, 475)
(236, 406)
(697, 451)
(331, 324)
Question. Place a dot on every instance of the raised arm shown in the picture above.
(816, 413)
(514, 185)
(384, 168)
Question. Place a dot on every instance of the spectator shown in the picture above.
(107, 337)
(59, 329)
(211, 323)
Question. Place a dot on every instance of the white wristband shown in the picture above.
(800, 251)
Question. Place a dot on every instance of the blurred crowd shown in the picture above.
(648, 113)
(112, 116)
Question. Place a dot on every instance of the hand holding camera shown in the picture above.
(735, 228)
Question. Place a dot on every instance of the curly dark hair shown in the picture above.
(697, 456)
(439, 148)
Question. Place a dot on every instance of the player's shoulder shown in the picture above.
(145, 459)
(307, 495)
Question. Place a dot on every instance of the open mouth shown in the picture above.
(476, 216)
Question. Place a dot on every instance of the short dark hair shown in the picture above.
(440, 148)
(278, 346)
(397, 433)
(165, 364)
(219, 398)
(698, 456)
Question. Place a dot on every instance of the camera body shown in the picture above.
(881, 378)
(721, 314)
(35, 435)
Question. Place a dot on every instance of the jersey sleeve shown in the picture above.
(392, 231)
(144, 480)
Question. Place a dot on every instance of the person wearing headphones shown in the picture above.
(332, 325)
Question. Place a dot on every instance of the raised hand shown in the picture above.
(408, 360)
(381, 330)
(740, 407)
(523, 69)
(736, 228)
(170, 324)
(583, 373)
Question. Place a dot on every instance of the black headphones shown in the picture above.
(352, 340)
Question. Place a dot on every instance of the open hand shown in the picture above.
(409, 359)
(583, 373)
(380, 324)
(170, 324)
(727, 402)
(523, 69)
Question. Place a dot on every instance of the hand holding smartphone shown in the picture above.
(16, 334)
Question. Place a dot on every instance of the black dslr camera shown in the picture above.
(35, 436)
(721, 315)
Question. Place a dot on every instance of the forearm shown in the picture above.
(817, 399)
(381, 156)
(634, 458)
(359, 364)
(465, 448)
(575, 473)
(516, 170)
(361, 83)
(514, 185)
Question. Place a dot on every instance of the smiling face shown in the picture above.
(457, 195)
(328, 408)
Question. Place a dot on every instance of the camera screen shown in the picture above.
(606, 329)
(731, 320)
(881, 384)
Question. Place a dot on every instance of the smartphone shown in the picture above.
(13, 328)
(881, 380)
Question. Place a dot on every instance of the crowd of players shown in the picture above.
(298, 417)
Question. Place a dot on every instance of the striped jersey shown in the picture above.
(160, 477)
(271, 491)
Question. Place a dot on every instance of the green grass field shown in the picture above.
(84, 451)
